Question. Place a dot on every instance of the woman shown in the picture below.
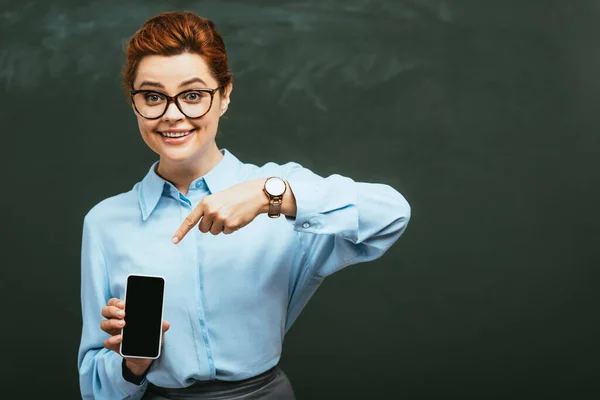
(236, 284)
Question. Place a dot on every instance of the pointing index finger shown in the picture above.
(188, 223)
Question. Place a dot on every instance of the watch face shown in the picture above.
(275, 186)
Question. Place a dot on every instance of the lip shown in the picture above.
(177, 130)
(178, 140)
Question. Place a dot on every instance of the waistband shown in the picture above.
(216, 389)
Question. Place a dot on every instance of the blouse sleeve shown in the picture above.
(342, 222)
(100, 370)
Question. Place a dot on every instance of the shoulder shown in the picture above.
(113, 207)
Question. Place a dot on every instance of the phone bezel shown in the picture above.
(162, 307)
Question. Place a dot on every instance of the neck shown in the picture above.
(182, 173)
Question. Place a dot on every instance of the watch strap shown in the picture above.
(275, 206)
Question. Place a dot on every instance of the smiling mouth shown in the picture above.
(168, 134)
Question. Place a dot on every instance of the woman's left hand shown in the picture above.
(227, 211)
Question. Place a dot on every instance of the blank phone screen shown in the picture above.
(143, 316)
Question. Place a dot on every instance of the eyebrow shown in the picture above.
(184, 83)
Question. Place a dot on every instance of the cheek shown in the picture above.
(215, 113)
(206, 123)
(146, 126)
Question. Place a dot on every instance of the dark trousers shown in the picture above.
(270, 385)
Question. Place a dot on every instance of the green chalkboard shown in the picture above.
(484, 114)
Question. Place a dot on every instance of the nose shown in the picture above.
(173, 113)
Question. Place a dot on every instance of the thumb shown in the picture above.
(165, 326)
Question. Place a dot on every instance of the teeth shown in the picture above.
(175, 135)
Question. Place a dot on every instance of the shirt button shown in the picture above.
(306, 225)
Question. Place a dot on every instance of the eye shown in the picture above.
(194, 96)
(153, 98)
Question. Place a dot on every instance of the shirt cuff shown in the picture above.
(130, 376)
(120, 384)
(327, 206)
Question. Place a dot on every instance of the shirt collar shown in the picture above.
(222, 176)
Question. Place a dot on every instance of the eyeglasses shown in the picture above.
(193, 103)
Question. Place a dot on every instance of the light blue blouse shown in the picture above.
(230, 299)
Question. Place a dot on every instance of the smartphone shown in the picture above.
(142, 333)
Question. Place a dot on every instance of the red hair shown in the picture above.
(174, 33)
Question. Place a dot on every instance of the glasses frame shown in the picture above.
(173, 99)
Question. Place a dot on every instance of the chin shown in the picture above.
(177, 156)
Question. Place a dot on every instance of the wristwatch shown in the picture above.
(274, 188)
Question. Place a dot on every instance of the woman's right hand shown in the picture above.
(114, 312)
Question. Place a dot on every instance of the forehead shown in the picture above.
(172, 70)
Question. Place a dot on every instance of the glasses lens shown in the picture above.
(193, 103)
(150, 104)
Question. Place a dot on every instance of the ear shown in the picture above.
(226, 98)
